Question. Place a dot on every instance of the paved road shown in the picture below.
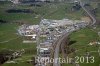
(57, 48)
(88, 12)
(65, 35)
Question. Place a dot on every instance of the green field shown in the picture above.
(14, 42)
(49, 10)
(9, 40)
(82, 38)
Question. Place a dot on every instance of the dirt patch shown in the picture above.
(87, 19)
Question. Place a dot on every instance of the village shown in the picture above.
(47, 32)
(34, 31)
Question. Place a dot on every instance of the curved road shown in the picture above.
(88, 12)
(59, 41)
(65, 35)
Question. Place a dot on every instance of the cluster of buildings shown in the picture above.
(46, 26)
(28, 32)
(63, 23)
(54, 29)
(48, 31)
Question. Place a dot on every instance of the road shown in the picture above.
(88, 12)
(57, 48)
(65, 35)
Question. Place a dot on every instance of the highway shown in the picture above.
(65, 35)
(56, 53)
(88, 12)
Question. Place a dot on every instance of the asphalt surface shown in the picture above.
(57, 48)
(88, 12)
(65, 35)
